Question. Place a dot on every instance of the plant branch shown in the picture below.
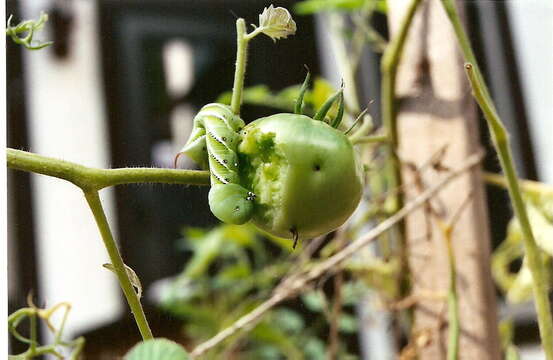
(500, 140)
(88, 178)
(454, 327)
(390, 62)
(240, 69)
(371, 139)
(95, 204)
(529, 186)
(297, 283)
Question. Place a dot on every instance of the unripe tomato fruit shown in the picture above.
(305, 175)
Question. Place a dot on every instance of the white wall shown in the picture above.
(67, 120)
(532, 29)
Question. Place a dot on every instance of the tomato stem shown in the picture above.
(88, 178)
(95, 205)
(240, 70)
(500, 139)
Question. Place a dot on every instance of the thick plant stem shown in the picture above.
(95, 179)
(501, 143)
(91, 180)
(389, 66)
(95, 204)
(240, 70)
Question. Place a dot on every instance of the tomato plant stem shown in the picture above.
(240, 70)
(500, 140)
(389, 65)
(95, 204)
(452, 299)
(95, 179)
(91, 180)
(452, 306)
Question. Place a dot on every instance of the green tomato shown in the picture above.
(304, 173)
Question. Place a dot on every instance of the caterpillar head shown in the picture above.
(231, 203)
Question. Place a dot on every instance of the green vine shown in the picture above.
(500, 138)
(501, 142)
(29, 28)
(91, 180)
(35, 349)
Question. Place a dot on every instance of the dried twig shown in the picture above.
(298, 282)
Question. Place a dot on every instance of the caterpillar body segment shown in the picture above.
(231, 203)
(195, 147)
(213, 144)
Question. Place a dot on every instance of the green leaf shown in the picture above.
(266, 333)
(381, 6)
(135, 281)
(314, 349)
(347, 324)
(288, 320)
(542, 228)
(315, 301)
(157, 349)
(309, 7)
(521, 289)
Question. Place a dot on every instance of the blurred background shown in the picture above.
(120, 87)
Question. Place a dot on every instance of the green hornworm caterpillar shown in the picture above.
(212, 145)
(292, 175)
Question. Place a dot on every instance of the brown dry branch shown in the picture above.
(299, 282)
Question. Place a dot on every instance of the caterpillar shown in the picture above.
(213, 145)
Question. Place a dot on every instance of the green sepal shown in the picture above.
(298, 109)
(320, 115)
(338, 119)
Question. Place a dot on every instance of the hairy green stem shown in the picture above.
(240, 70)
(500, 140)
(91, 180)
(95, 204)
(95, 179)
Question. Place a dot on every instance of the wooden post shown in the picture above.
(436, 110)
